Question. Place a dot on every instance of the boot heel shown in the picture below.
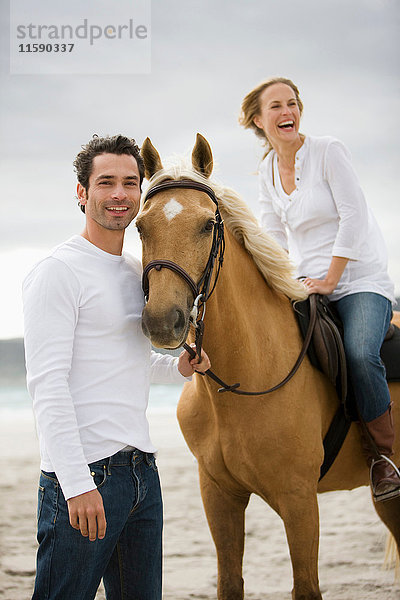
(391, 493)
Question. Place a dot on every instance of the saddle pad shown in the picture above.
(302, 313)
(390, 354)
(390, 351)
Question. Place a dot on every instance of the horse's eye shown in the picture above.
(139, 230)
(209, 226)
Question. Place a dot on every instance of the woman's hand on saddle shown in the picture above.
(187, 366)
(318, 286)
(327, 285)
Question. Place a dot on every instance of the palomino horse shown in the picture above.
(266, 445)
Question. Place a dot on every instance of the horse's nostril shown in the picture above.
(165, 328)
(180, 320)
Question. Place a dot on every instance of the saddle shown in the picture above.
(326, 352)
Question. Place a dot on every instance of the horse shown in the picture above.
(271, 445)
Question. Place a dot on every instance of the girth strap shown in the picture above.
(334, 438)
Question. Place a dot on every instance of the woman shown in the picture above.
(312, 204)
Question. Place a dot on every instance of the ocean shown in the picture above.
(162, 399)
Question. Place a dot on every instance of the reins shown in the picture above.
(201, 290)
(234, 388)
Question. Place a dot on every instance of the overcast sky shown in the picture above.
(205, 56)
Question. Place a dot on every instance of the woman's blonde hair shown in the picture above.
(251, 106)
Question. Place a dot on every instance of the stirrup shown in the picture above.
(385, 495)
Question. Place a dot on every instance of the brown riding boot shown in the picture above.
(378, 448)
(385, 477)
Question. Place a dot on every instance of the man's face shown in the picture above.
(113, 197)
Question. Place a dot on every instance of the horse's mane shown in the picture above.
(271, 260)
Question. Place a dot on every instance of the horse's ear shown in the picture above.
(202, 158)
(151, 158)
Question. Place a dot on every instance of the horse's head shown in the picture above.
(176, 224)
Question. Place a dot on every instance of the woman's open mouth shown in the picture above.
(287, 125)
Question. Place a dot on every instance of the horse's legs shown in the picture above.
(299, 511)
(389, 512)
(225, 515)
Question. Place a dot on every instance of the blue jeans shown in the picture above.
(366, 318)
(129, 558)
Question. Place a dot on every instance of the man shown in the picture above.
(89, 368)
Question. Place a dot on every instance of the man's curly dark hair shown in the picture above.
(116, 144)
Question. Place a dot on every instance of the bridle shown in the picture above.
(200, 290)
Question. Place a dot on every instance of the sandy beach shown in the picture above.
(351, 547)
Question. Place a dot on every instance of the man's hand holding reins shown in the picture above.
(188, 366)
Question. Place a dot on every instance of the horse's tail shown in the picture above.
(392, 558)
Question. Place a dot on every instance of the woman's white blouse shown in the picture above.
(326, 215)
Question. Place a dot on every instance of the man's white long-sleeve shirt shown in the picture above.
(89, 366)
(326, 215)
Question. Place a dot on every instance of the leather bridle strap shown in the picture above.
(181, 183)
(168, 264)
(201, 290)
(218, 244)
(218, 241)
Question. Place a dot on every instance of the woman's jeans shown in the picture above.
(366, 318)
(129, 558)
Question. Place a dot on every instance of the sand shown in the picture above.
(351, 547)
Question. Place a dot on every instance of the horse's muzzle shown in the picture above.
(167, 330)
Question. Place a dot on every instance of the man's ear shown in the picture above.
(81, 193)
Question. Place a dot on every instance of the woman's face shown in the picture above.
(279, 115)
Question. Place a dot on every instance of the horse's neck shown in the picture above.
(245, 316)
(243, 290)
